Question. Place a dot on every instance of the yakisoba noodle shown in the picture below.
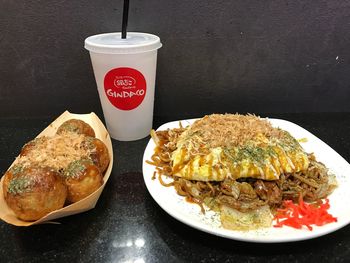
(239, 166)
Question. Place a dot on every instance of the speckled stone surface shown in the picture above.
(128, 226)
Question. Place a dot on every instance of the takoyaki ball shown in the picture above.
(77, 126)
(98, 152)
(32, 145)
(10, 173)
(33, 191)
(82, 178)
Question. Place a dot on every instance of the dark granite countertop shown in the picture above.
(128, 226)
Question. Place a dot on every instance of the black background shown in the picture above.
(217, 56)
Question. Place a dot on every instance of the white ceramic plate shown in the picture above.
(191, 215)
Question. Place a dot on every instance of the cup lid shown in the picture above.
(112, 43)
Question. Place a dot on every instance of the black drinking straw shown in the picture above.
(125, 18)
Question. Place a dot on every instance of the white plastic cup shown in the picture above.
(125, 72)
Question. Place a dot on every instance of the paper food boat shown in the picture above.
(89, 202)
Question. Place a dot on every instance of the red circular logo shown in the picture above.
(125, 88)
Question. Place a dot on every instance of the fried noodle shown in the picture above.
(244, 194)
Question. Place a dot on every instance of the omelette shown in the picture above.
(222, 146)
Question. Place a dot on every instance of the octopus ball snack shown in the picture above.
(34, 191)
(99, 155)
(82, 178)
(77, 126)
(55, 170)
(32, 145)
